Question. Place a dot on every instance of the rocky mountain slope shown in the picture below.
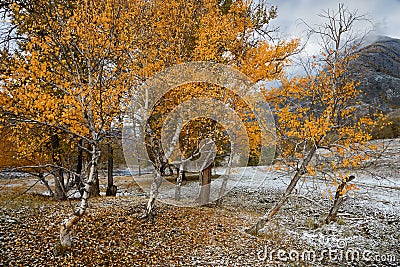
(379, 65)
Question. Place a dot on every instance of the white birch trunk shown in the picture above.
(299, 173)
(67, 224)
(179, 182)
(224, 183)
(157, 181)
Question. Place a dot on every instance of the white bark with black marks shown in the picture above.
(67, 224)
(299, 173)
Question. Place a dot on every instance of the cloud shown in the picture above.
(384, 14)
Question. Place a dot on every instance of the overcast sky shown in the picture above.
(385, 14)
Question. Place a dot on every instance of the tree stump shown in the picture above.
(204, 196)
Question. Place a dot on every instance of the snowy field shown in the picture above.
(366, 233)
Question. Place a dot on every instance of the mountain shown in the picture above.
(379, 64)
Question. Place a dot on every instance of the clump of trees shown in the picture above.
(69, 66)
(69, 69)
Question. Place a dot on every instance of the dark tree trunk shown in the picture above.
(339, 200)
(204, 196)
(334, 210)
(59, 192)
(111, 188)
(184, 176)
(59, 186)
(95, 187)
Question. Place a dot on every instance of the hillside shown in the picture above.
(379, 65)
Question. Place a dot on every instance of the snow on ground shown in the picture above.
(368, 223)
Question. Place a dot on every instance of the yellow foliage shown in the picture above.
(81, 61)
(320, 112)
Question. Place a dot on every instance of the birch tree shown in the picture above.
(70, 75)
(319, 111)
(229, 32)
(76, 62)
